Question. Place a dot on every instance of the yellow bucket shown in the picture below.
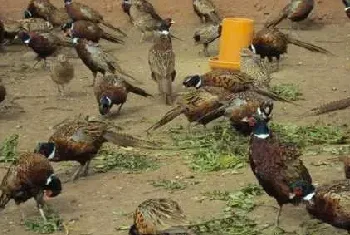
(236, 34)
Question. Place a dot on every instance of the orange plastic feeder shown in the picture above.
(236, 34)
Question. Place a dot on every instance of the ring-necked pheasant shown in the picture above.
(96, 59)
(330, 202)
(276, 165)
(80, 139)
(88, 30)
(159, 216)
(43, 44)
(194, 105)
(296, 10)
(61, 72)
(206, 11)
(347, 7)
(39, 9)
(161, 59)
(113, 90)
(30, 176)
(272, 43)
(79, 11)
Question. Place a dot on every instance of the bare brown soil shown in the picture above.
(98, 203)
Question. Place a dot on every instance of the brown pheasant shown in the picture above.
(206, 11)
(79, 139)
(113, 90)
(159, 216)
(62, 72)
(272, 43)
(194, 105)
(296, 10)
(31, 175)
(161, 59)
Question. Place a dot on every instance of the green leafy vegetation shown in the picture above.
(311, 134)
(171, 185)
(288, 91)
(239, 204)
(110, 159)
(8, 149)
(216, 149)
(221, 148)
(53, 224)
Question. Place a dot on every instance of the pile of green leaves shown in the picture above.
(239, 204)
(216, 149)
(8, 149)
(288, 91)
(110, 159)
(53, 224)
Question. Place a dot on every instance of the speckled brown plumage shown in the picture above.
(207, 34)
(194, 105)
(90, 31)
(113, 90)
(296, 10)
(206, 11)
(238, 107)
(272, 43)
(79, 139)
(331, 203)
(276, 165)
(61, 72)
(332, 106)
(96, 59)
(28, 177)
(79, 11)
(161, 59)
(159, 216)
(145, 17)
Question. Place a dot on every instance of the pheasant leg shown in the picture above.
(40, 204)
(142, 37)
(278, 216)
(94, 75)
(76, 174)
(205, 50)
(119, 108)
(85, 171)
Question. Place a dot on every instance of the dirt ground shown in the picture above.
(98, 203)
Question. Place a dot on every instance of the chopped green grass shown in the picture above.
(239, 204)
(217, 149)
(108, 159)
(8, 149)
(54, 223)
(221, 148)
(288, 91)
(311, 134)
(171, 185)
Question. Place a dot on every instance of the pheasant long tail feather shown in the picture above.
(112, 38)
(136, 90)
(211, 116)
(308, 46)
(125, 140)
(169, 116)
(332, 106)
(273, 23)
(108, 25)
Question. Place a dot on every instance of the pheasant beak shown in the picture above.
(172, 22)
